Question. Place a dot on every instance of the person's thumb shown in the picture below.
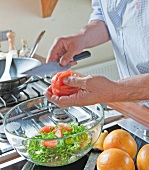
(74, 81)
(66, 58)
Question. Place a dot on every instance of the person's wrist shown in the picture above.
(80, 38)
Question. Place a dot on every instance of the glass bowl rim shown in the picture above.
(30, 138)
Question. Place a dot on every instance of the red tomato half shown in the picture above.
(49, 143)
(46, 129)
(58, 88)
(66, 128)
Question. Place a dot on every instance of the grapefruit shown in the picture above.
(121, 139)
(143, 158)
(115, 159)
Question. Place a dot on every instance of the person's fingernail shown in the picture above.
(64, 63)
(65, 80)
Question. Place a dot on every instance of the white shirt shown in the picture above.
(128, 25)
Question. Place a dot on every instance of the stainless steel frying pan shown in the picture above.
(18, 65)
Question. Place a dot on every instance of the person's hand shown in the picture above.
(65, 49)
(93, 89)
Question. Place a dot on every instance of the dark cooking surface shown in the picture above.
(79, 165)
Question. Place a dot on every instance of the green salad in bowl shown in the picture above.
(61, 151)
(32, 130)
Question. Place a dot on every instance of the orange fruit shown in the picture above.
(121, 139)
(143, 158)
(115, 159)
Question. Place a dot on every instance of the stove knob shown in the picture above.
(146, 132)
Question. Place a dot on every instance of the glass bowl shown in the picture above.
(23, 123)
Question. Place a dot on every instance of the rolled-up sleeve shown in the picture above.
(97, 13)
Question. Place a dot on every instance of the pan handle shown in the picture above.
(32, 51)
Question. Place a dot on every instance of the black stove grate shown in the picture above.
(26, 91)
(11, 98)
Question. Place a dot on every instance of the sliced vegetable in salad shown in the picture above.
(58, 144)
(46, 129)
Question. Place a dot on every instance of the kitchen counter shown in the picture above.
(134, 110)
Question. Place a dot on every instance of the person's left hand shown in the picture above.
(93, 89)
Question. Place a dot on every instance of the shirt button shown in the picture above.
(119, 28)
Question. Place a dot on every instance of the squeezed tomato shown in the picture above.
(58, 88)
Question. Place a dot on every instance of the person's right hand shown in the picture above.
(65, 48)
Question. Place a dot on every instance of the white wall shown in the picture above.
(69, 16)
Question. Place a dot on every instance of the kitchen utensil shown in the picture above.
(30, 116)
(6, 73)
(53, 67)
(12, 53)
(32, 51)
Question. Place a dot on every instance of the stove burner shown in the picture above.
(13, 126)
(60, 115)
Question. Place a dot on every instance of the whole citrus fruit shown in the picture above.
(143, 158)
(115, 159)
(121, 139)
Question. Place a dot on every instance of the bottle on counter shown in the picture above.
(25, 49)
